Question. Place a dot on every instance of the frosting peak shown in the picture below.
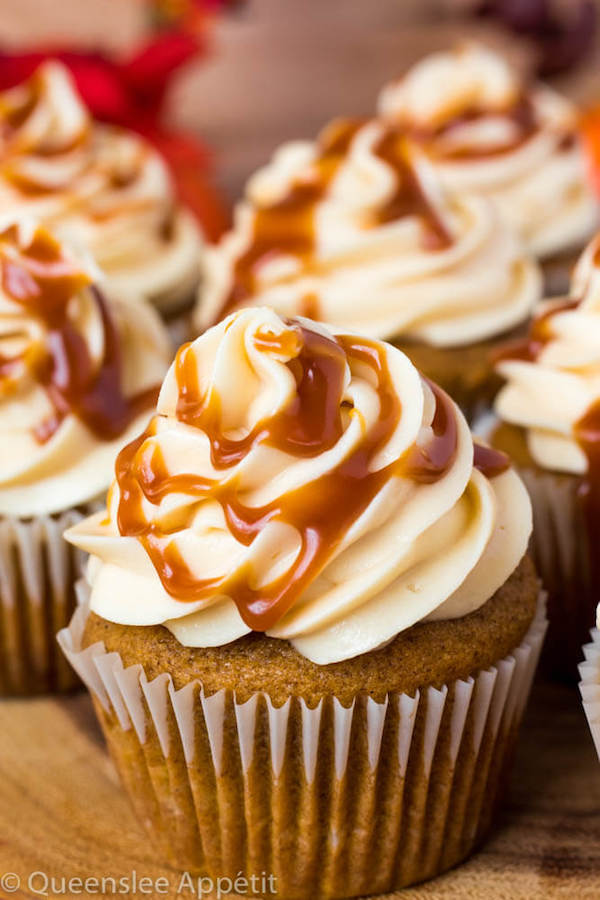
(96, 184)
(305, 483)
(487, 131)
(73, 368)
(355, 230)
(447, 85)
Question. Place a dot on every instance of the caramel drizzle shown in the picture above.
(521, 114)
(14, 116)
(409, 198)
(289, 225)
(322, 512)
(540, 334)
(489, 461)
(42, 281)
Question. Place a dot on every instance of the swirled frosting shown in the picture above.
(552, 385)
(101, 186)
(355, 231)
(307, 484)
(78, 375)
(486, 131)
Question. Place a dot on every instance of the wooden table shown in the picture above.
(278, 75)
(62, 811)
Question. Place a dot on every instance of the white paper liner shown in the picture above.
(38, 571)
(559, 547)
(491, 702)
(589, 686)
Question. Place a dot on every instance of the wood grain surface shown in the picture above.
(279, 72)
(62, 811)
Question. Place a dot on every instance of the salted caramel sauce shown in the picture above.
(521, 114)
(408, 198)
(540, 333)
(489, 461)
(288, 225)
(41, 280)
(322, 511)
(13, 117)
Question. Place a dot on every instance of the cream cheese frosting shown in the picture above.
(79, 374)
(354, 230)
(98, 185)
(552, 385)
(486, 131)
(306, 483)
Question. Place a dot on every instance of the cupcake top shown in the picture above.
(96, 184)
(354, 230)
(553, 378)
(486, 130)
(78, 375)
(303, 483)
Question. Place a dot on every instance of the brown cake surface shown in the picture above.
(429, 653)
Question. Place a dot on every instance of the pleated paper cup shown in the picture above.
(560, 549)
(38, 573)
(589, 686)
(331, 801)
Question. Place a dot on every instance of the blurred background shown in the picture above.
(276, 69)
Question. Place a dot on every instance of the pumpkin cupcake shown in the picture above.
(488, 131)
(355, 230)
(311, 627)
(549, 411)
(98, 185)
(79, 373)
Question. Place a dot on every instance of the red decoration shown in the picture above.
(590, 130)
(132, 92)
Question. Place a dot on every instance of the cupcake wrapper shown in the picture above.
(332, 801)
(589, 686)
(560, 548)
(38, 572)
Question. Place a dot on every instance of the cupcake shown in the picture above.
(549, 411)
(485, 130)
(354, 230)
(79, 374)
(98, 185)
(311, 626)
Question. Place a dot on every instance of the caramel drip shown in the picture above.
(489, 461)
(322, 512)
(409, 198)
(13, 118)
(540, 333)
(521, 114)
(288, 226)
(43, 282)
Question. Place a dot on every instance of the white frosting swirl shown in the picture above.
(98, 185)
(52, 354)
(486, 132)
(412, 548)
(372, 271)
(549, 395)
